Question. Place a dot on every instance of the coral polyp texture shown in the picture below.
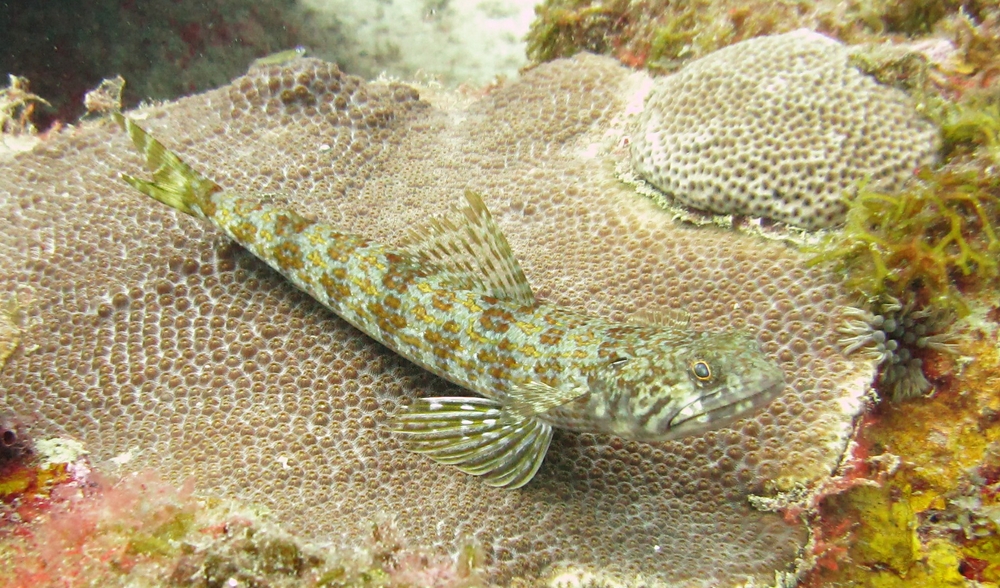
(781, 127)
(152, 339)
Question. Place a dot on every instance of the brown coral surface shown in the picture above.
(148, 334)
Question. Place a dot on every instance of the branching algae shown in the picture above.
(922, 241)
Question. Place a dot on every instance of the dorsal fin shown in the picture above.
(662, 317)
(474, 249)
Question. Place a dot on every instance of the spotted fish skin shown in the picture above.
(454, 301)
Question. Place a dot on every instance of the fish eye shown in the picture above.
(618, 362)
(701, 370)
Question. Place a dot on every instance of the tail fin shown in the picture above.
(478, 436)
(174, 182)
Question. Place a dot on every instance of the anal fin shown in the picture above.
(478, 436)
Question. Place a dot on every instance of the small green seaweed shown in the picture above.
(916, 17)
(939, 231)
(340, 577)
(893, 65)
(970, 127)
(563, 28)
(163, 541)
(17, 105)
(673, 39)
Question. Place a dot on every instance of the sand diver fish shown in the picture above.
(455, 301)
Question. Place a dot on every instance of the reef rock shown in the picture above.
(150, 338)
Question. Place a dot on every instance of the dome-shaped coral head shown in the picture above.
(664, 389)
(779, 127)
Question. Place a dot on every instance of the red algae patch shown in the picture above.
(63, 523)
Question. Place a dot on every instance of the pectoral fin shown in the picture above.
(478, 436)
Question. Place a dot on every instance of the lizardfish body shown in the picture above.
(455, 301)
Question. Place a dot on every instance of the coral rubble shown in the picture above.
(148, 335)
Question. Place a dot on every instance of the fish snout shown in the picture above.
(739, 398)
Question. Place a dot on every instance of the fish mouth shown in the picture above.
(723, 407)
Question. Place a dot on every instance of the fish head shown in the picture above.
(664, 389)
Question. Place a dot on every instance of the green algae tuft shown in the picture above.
(562, 29)
(921, 242)
(970, 128)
